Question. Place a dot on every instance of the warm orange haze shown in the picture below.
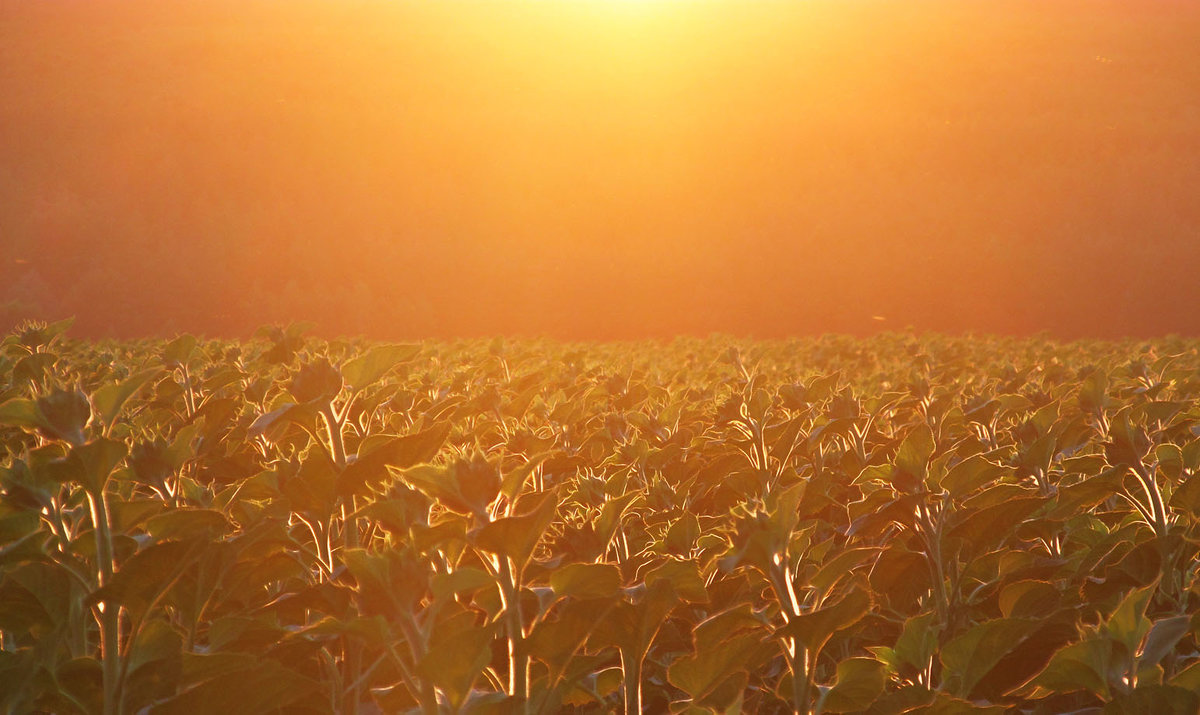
(602, 169)
(785, 357)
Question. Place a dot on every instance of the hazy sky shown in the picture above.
(601, 169)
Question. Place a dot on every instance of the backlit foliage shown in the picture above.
(885, 525)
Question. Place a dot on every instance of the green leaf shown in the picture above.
(55, 329)
(462, 581)
(35, 594)
(785, 511)
(1080, 666)
(127, 514)
(918, 641)
(514, 481)
(265, 686)
(900, 577)
(18, 525)
(632, 627)
(1128, 624)
(98, 459)
(517, 536)
(897, 511)
(65, 414)
(586, 580)
(182, 447)
(459, 649)
(32, 368)
(705, 672)
(915, 450)
(612, 513)
(943, 704)
(710, 632)
(682, 534)
(478, 481)
(859, 682)
(834, 569)
(400, 453)
(198, 667)
(1075, 498)
(186, 523)
(373, 631)
(311, 490)
(145, 574)
(1161, 640)
(814, 629)
(179, 350)
(1027, 599)
(1093, 393)
(969, 657)
(154, 664)
(81, 678)
(464, 487)
(1128, 442)
(19, 412)
(971, 474)
(1188, 678)
(1155, 700)
(982, 529)
(362, 371)
(1186, 497)
(1170, 460)
(108, 399)
(683, 575)
(272, 424)
(555, 642)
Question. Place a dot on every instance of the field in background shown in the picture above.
(900, 524)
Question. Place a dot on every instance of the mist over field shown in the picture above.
(599, 356)
(601, 170)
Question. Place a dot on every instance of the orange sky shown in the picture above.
(591, 169)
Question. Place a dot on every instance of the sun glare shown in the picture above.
(622, 356)
(649, 163)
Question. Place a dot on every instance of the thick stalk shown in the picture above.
(631, 675)
(933, 549)
(416, 647)
(762, 448)
(353, 649)
(333, 430)
(795, 652)
(189, 398)
(110, 647)
(797, 660)
(518, 660)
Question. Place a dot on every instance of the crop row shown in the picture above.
(894, 524)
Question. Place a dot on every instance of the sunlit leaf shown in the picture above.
(516, 536)
(1028, 598)
(179, 350)
(514, 480)
(814, 629)
(1163, 636)
(265, 686)
(586, 580)
(859, 682)
(1080, 666)
(970, 656)
(714, 677)
(369, 367)
(1155, 700)
(187, 524)
(399, 452)
(108, 399)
